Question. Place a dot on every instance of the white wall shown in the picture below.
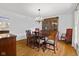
(20, 23)
(65, 21)
(78, 33)
(75, 40)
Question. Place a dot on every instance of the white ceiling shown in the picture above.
(31, 9)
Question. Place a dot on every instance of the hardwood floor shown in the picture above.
(63, 50)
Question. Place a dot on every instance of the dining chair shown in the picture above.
(51, 42)
(38, 38)
(28, 35)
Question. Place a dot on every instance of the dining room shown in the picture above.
(40, 29)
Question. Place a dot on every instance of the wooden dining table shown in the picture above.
(37, 37)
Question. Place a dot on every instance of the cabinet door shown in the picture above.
(3, 46)
(50, 24)
(11, 50)
(8, 46)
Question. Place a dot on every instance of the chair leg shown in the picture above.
(44, 48)
(38, 46)
(54, 50)
(27, 42)
(56, 47)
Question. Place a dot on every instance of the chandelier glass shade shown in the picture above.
(39, 17)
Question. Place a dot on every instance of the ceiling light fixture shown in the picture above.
(39, 17)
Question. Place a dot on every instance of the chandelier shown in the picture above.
(39, 17)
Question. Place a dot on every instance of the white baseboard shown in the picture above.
(20, 38)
